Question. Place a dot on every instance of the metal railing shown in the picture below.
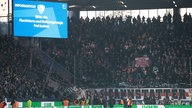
(55, 66)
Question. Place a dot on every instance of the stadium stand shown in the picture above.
(99, 53)
(105, 49)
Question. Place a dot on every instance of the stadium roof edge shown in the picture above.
(124, 4)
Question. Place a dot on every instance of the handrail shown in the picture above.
(57, 68)
(37, 49)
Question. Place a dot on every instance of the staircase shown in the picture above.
(58, 77)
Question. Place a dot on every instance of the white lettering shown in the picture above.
(41, 26)
(25, 6)
(26, 20)
(36, 25)
(38, 16)
(52, 22)
(44, 26)
(45, 17)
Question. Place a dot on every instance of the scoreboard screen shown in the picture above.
(40, 19)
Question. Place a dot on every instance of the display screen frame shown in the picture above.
(40, 19)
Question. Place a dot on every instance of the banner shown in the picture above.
(150, 106)
(40, 105)
(164, 106)
(142, 61)
(140, 93)
(51, 104)
(47, 104)
(178, 106)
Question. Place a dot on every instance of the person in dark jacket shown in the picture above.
(111, 102)
(104, 102)
(125, 102)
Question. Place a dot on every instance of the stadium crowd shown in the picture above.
(17, 80)
(104, 51)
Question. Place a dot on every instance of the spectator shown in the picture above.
(111, 102)
(103, 51)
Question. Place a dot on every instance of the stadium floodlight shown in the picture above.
(73, 6)
(94, 7)
(173, 2)
(121, 2)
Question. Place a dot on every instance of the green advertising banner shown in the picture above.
(121, 106)
(150, 106)
(178, 106)
(59, 105)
